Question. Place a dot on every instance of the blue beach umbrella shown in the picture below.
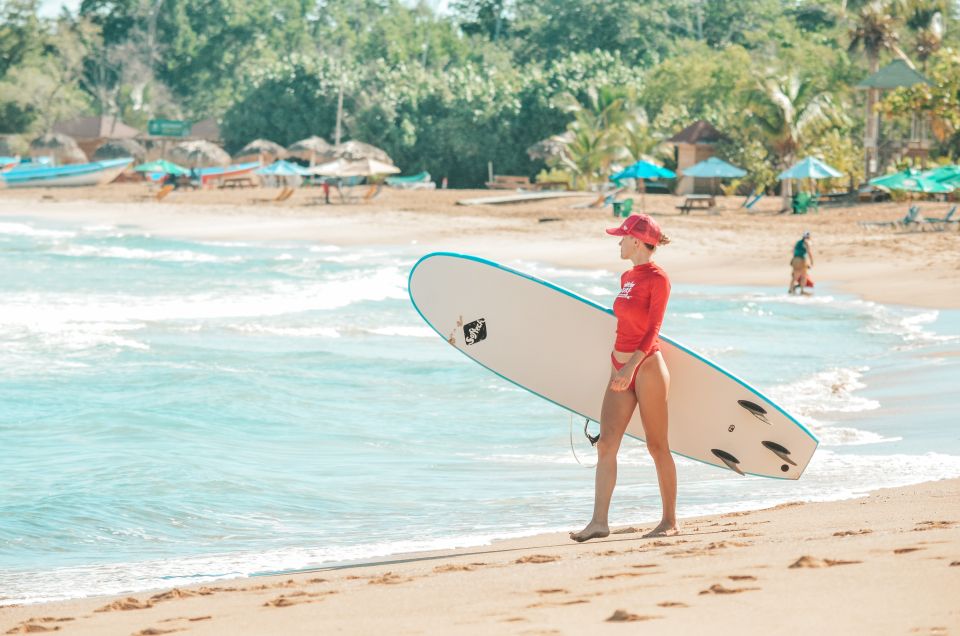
(944, 174)
(643, 170)
(714, 168)
(809, 168)
(282, 169)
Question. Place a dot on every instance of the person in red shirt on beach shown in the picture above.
(638, 376)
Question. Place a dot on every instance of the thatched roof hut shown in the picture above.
(118, 148)
(199, 154)
(262, 150)
(13, 145)
(551, 149)
(312, 149)
(354, 150)
(62, 148)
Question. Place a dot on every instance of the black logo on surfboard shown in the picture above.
(474, 332)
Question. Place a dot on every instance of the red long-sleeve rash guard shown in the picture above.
(639, 308)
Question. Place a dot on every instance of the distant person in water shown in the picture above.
(802, 253)
(638, 376)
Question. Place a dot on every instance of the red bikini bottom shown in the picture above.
(619, 365)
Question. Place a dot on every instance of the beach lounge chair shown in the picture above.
(912, 217)
(623, 208)
(949, 218)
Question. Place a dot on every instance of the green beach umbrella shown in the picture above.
(162, 165)
(944, 174)
(911, 180)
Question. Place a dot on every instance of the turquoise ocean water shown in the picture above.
(175, 412)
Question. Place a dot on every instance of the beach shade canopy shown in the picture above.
(643, 170)
(62, 148)
(945, 174)
(199, 154)
(714, 168)
(810, 168)
(282, 169)
(312, 149)
(358, 168)
(355, 150)
(911, 180)
(119, 148)
(162, 166)
(261, 148)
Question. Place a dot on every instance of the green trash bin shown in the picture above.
(623, 208)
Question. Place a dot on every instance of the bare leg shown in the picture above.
(653, 386)
(615, 415)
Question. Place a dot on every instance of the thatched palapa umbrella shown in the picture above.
(262, 150)
(62, 148)
(199, 154)
(312, 149)
(12, 145)
(552, 148)
(356, 150)
(119, 148)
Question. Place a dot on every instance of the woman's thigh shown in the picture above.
(615, 414)
(653, 388)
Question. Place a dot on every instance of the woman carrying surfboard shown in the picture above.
(638, 376)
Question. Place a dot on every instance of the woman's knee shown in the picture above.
(607, 447)
(658, 448)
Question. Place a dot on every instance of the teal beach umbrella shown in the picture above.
(714, 168)
(282, 168)
(809, 168)
(162, 165)
(643, 170)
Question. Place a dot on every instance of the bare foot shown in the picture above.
(665, 529)
(592, 531)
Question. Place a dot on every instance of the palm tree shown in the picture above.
(875, 32)
(596, 130)
(790, 113)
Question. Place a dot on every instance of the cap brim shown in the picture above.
(617, 232)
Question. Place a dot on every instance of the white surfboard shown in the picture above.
(557, 345)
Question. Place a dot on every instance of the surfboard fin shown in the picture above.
(728, 459)
(780, 451)
(755, 410)
(593, 438)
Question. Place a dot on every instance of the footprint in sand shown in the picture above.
(813, 562)
(538, 558)
(125, 604)
(906, 550)
(933, 525)
(672, 604)
(718, 588)
(454, 567)
(847, 533)
(954, 564)
(557, 590)
(617, 575)
(172, 594)
(388, 578)
(154, 631)
(33, 626)
(742, 577)
(623, 616)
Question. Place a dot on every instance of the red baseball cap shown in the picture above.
(639, 226)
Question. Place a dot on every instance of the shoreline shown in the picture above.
(707, 250)
(893, 553)
(733, 247)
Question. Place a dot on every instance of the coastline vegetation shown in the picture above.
(484, 80)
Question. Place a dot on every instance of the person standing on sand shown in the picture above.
(801, 253)
(638, 376)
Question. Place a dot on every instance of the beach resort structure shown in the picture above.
(694, 144)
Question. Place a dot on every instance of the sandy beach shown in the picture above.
(736, 246)
(888, 563)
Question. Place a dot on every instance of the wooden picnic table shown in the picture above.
(697, 202)
(237, 182)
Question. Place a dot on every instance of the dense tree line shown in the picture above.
(450, 93)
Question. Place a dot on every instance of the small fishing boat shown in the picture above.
(209, 176)
(80, 174)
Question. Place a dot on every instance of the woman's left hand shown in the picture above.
(621, 379)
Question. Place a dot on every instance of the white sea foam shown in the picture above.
(22, 229)
(173, 256)
(404, 331)
(830, 391)
(292, 332)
